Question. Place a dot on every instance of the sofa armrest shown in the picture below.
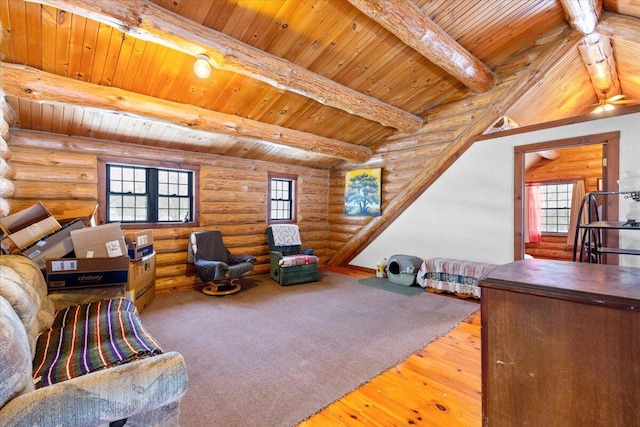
(103, 396)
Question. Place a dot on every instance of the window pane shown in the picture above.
(130, 197)
(127, 174)
(555, 204)
(116, 186)
(281, 203)
(140, 188)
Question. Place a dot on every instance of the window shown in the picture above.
(140, 194)
(282, 200)
(555, 204)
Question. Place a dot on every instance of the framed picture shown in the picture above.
(362, 192)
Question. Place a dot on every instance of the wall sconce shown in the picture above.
(202, 67)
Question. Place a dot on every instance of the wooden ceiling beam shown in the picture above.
(30, 83)
(597, 55)
(582, 15)
(620, 27)
(411, 25)
(150, 22)
(595, 49)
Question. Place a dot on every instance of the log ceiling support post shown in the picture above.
(147, 21)
(595, 49)
(411, 25)
(29, 83)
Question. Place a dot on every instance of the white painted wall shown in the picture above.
(468, 212)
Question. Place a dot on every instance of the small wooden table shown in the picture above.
(560, 345)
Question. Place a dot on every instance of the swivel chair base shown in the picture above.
(221, 289)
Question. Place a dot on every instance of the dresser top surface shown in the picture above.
(595, 283)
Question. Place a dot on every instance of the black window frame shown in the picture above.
(152, 170)
(292, 181)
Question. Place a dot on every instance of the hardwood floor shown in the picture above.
(439, 385)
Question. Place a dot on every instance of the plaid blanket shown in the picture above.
(89, 337)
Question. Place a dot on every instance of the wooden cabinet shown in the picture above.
(560, 345)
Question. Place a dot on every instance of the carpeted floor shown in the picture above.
(386, 285)
(273, 355)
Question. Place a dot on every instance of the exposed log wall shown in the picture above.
(7, 172)
(62, 172)
(584, 162)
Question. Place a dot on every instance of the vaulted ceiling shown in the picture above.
(313, 83)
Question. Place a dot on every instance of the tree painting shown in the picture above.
(362, 192)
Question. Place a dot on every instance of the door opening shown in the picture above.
(578, 157)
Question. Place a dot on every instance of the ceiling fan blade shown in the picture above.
(615, 98)
(627, 101)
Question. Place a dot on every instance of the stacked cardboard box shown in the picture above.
(53, 246)
(141, 288)
(100, 259)
(139, 244)
(79, 257)
(28, 226)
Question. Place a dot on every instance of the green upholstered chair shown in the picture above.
(290, 265)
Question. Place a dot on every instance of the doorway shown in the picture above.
(610, 143)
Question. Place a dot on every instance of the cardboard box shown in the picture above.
(87, 272)
(140, 244)
(141, 287)
(52, 246)
(29, 225)
(87, 216)
(103, 241)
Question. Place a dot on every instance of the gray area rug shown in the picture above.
(273, 355)
(386, 285)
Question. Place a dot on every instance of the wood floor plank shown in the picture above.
(439, 385)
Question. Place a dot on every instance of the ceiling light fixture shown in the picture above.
(604, 106)
(202, 67)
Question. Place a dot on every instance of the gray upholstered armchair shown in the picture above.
(216, 266)
(290, 264)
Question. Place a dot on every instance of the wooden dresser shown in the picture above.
(561, 345)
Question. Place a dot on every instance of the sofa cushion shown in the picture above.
(89, 337)
(15, 358)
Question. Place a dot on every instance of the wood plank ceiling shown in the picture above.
(329, 84)
(147, 50)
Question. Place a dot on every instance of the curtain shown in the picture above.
(534, 215)
(576, 199)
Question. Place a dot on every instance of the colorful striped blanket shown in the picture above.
(89, 337)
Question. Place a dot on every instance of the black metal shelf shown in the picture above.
(590, 235)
